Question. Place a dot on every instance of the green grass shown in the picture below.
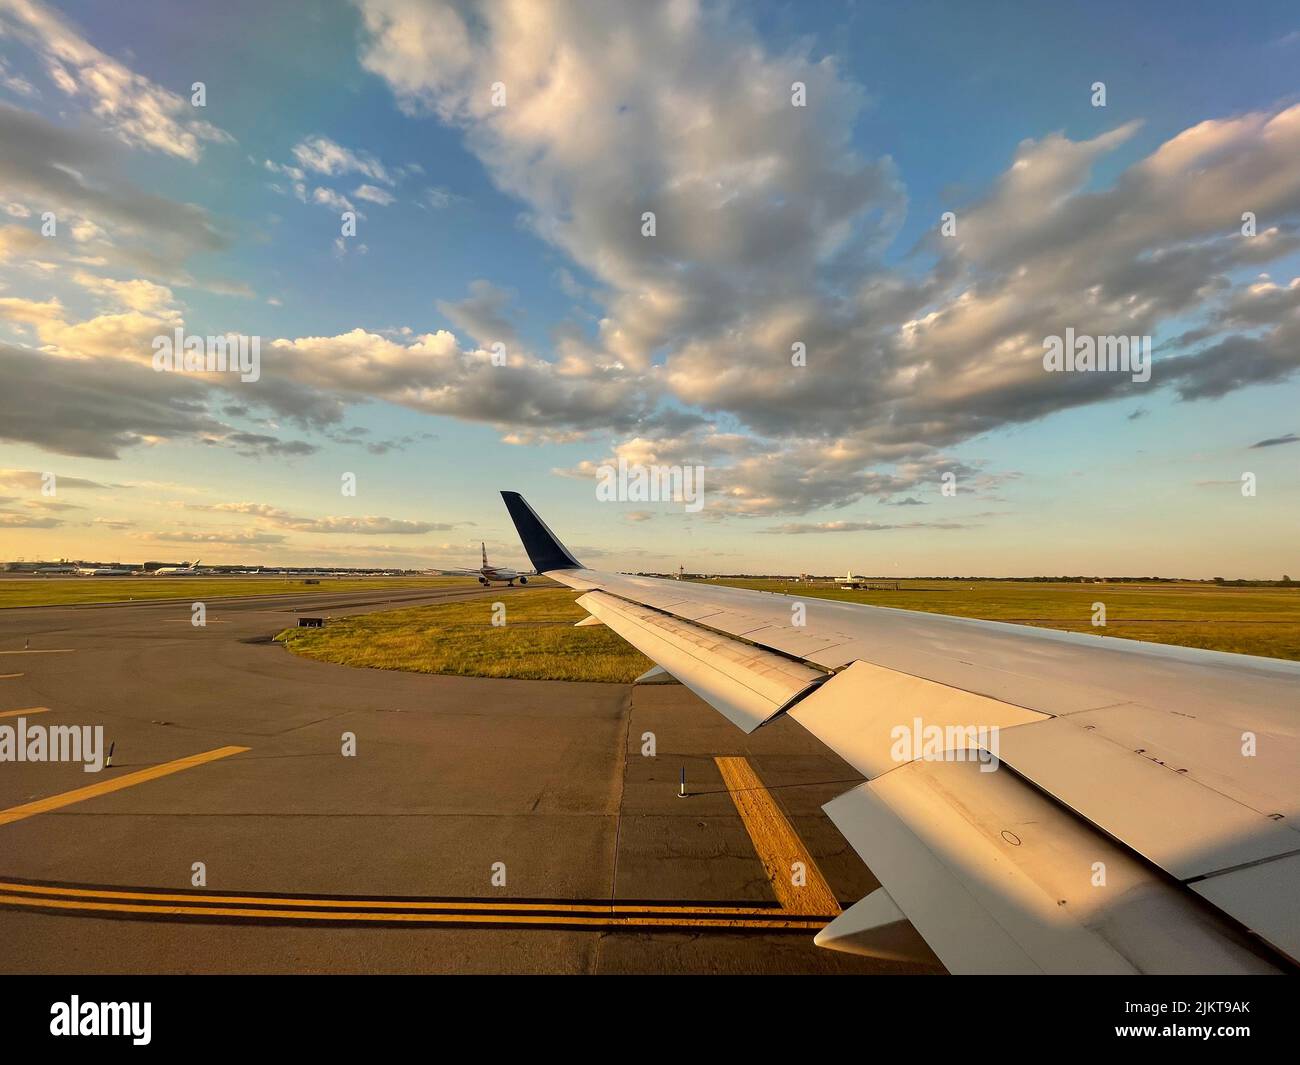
(1252, 621)
(537, 642)
(66, 591)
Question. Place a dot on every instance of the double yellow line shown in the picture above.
(805, 899)
(592, 915)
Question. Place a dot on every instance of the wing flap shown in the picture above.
(1186, 828)
(876, 719)
(746, 684)
(1263, 898)
(999, 879)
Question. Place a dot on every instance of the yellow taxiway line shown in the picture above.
(10, 676)
(411, 911)
(777, 844)
(650, 909)
(510, 919)
(67, 798)
(28, 710)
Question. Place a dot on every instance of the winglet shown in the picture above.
(544, 549)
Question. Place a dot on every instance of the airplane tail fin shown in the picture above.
(544, 549)
(484, 546)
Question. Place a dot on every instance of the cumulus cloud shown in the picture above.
(770, 226)
(484, 314)
(74, 173)
(132, 107)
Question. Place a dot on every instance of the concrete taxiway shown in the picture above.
(227, 751)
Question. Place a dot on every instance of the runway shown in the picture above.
(482, 826)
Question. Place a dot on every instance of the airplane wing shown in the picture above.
(1033, 801)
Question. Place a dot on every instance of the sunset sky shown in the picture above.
(522, 225)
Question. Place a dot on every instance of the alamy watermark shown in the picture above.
(178, 353)
(945, 743)
(74, 1017)
(1102, 354)
(55, 743)
(635, 483)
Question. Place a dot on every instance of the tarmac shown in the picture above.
(482, 826)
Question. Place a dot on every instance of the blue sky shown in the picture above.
(521, 223)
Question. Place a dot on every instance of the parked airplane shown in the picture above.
(487, 573)
(191, 570)
(103, 571)
(1035, 801)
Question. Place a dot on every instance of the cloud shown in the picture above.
(374, 194)
(34, 480)
(771, 228)
(439, 198)
(257, 445)
(331, 199)
(16, 83)
(15, 520)
(134, 109)
(484, 314)
(803, 528)
(320, 155)
(238, 539)
(72, 172)
(1289, 438)
(368, 525)
(18, 241)
(97, 408)
(771, 232)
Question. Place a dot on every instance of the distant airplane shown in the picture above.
(60, 568)
(103, 571)
(487, 573)
(191, 570)
(850, 580)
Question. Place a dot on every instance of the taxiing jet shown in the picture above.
(192, 570)
(103, 571)
(488, 573)
(1034, 801)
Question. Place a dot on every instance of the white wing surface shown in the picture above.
(1071, 803)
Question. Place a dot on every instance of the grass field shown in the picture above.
(1251, 621)
(67, 591)
(539, 641)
